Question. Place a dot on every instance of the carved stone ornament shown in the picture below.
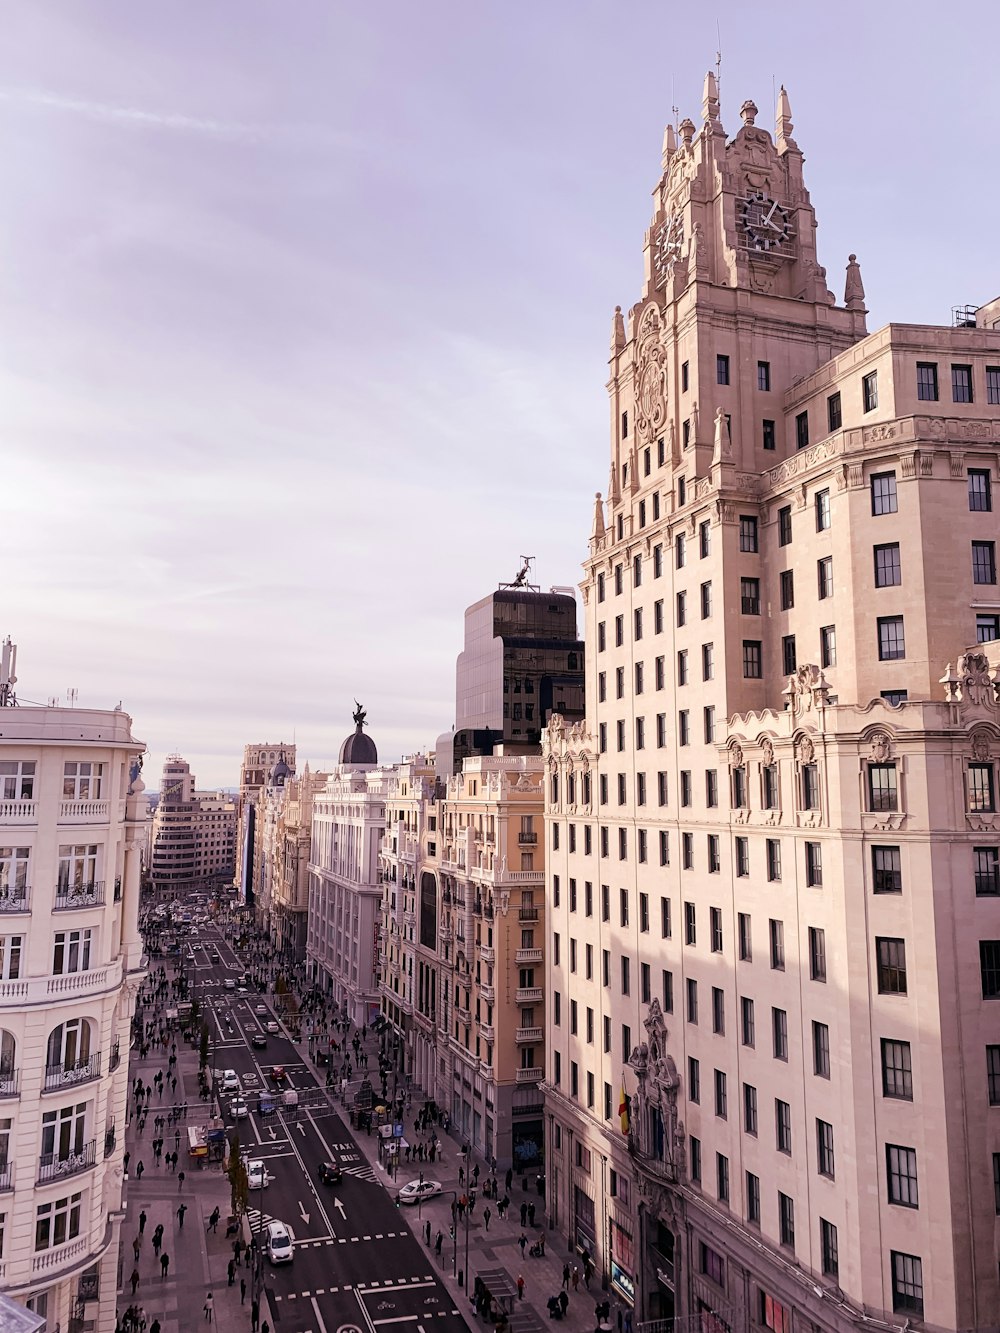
(766, 753)
(555, 725)
(980, 746)
(974, 673)
(807, 751)
(880, 748)
(799, 689)
(657, 1084)
(736, 755)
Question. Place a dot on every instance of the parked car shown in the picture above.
(238, 1109)
(418, 1190)
(278, 1243)
(330, 1173)
(258, 1041)
(230, 1081)
(258, 1176)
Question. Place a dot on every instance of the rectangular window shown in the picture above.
(704, 540)
(883, 486)
(666, 925)
(681, 609)
(986, 862)
(989, 968)
(668, 992)
(661, 788)
(783, 1126)
(715, 928)
(883, 793)
(776, 933)
(891, 639)
(747, 1029)
(682, 667)
(695, 1160)
(961, 384)
(984, 562)
(888, 572)
(869, 391)
(897, 1071)
(753, 1199)
(750, 596)
(686, 788)
(817, 954)
(619, 631)
(752, 659)
(980, 789)
(742, 846)
(927, 381)
(993, 384)
(708, 723)
(901, 1175)
(890, 958)
(750, 1109)
(722, 369)
(786, 1222)
(680, 550)
(824, 1149)
(748, 534)
(658, 561)
(907, 1283)
(684, 727)
(82, 781)
(694, 1080)
(771, 785)
(821, 1049)
(658, 616)
(814, 865)
(779, 1032)
(738, 778)
(802, 430)
(718, 1011)
(824, 577)
(787, 584)
(773, 848)
(685, 377)
(829, 1251)
(764, 376)
(721, 1096)
(887, 870)
(822, 510)
(637, 622)
(692, 1000)
(834, 413)
(722, 1177)
(993, 1074)
(690, 924)
(785, 526)
(745, 937)
(788, 656)
(706, 600)
(769, 438)
(687, 851)
(711, 788)
(810, 787)
(828, 646)
(707, 661)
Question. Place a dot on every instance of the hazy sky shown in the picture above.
(305, 311)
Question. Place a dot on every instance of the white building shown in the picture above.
(71, 827)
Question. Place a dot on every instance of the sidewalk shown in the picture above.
(489, 1248)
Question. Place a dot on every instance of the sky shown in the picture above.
(305, 308)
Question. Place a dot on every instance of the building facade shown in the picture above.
(72, 818)
(284, 821)
(774, 839)
(193, 836)
(258, 760)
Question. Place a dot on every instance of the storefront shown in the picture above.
(622, 1259)
(584, 1222)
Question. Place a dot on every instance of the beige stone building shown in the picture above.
(283, 837)
(773, 891)
(193, 835)
(258, 761)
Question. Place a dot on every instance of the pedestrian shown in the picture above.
(522, 1240)
(157, 1242)
(508, 1180)
(154, 1326)
(576, 1277)
(164, 1265)
(427, 1233)
(565, 1280)
(134, 1279)
(213, 1220)
(563, 1303)
(142, 1222)
(243, 1290)
(461, 1175)
(209, 1307)
(140, 1166)
(531, 1214)
(238, 1251)
(180, 1181)
(486, 1217)
(439, 1240)
(524, 1214)
(180, 1215)
(136, 1244)
(125, 1161)
(265, 1327)
(231, 1273)
(254, 1315)
(520, 1287)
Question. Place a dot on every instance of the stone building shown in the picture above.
(193, 836)
(258, 760)
(72, 817)
(773, 893)
(284, 825)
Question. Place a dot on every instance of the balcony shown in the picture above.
(528, 1034)
(527, 914)
(445, 934)
(532, 1075)
(116, 1056)
(84, 812)
(70, 896)
(528, 995)
(15, 900)
(488, 1032)
(487, 993)
(59, 1256)
(18, 812)
(6, 1175)
(59, 1077)
(486, 1070)
(10, 1082)
(409, 918)
(51, 1166)
(487, 953)
(110, 1139)
(527, 955)
(527, 839)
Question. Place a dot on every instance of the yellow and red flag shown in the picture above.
(623, 1115)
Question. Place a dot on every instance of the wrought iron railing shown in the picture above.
(55, 1166)
(69, 896)
(69, 1074)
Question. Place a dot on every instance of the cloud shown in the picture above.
(130, 115)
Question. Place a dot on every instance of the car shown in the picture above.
(418, 1190)
(260, 1009)
(230, 1081)
(190, 955)
(278, 1073)
(238, 1109)
(272, 1026)
(215, 957)
(278, 1243)
(242, 990)
(258, 1176)
(258, 1041)
(330, 1173)
(229, 983)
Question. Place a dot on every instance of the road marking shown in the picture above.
(319, 1317)
(399, 1319)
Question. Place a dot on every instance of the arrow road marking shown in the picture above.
(302, 1213)
(340, 1209)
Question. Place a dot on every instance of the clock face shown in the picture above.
(667, 245)
(766, 224)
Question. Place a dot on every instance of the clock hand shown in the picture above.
(770, 215)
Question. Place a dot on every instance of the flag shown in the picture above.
(623, 1115)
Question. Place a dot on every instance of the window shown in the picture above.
(681, 608)
(788, 657)
(901, 1175)
(883, 486)
(752, 659)
(619, 631)
(685, 377)
(715, 928)
(989, 967)
(708, 723)
(776, 932)
(601, 636)
(891, 641)
(658, 561)
(681, 492)
(636, 571)
(785, 526)
(779, 1032)
(787, 585)
(707, 661)
(894, 697)
(773, 847)
(742, 857)
(645, 987)
(690, 924)
(750, 596)
(888, 573)
(687, 851)
(771, 787)
(822, 510)
(750, 1109)
(624, 425)
(834, 412)
(882, 790)
(817, 954)
(745, 938)
(769, 439)
(828, 645)
(684, 727)
(57, 1222)
(71, 951)
(692, 1000)
(887, 870)
(680, 550)
(786, 1220)
(695, 1160)
(748, 534)
(907, 1283)
(824, 1149)
(987, 627)
(704, 540)
(869, 391)
(660, 673)
(753, 1199)
(637, 619)
(821, 1049)
(721, 1096)
(897, 1071)
(682, 667)
(82, 781)
(961, 384)
(626, 975)
(824, 577)
(764, 376)
(984, 562)
(986, 861)
(661, 788)
(706, 600)
(658, 616)
(829, 1253)
(605, 903)
(927, 381)
(996, 1185)
(890, 958)
(718, 1011)
(747, 1029)
(668, 992)
(810, 787)
(722, 1177)
(802, 430)
(620, 734)
(666, 927)
(17, 780)
(685, 787)
(981, 794)
(602, 686)
(722, 370)
(993, 384)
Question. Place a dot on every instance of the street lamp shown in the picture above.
(471, 1196)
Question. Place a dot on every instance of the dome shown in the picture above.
(280, 773)
(358, 748)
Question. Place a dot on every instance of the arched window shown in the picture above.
(69, 1045)
(8, 1059)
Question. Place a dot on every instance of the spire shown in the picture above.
(783, 123)
(614, 494)
(710, 103)
(598, 529)
(617, 331)
(854, 291)
(669, 146)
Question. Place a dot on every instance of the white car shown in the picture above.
(230, 1081)
(258, 1176)
(261, 1009)
(272, 1026)
(418, 1190)
(278, 1243)
(229, 983)
(238, 1109)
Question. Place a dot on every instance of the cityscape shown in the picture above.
(657, 991)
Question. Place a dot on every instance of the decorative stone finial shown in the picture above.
(710, 101)
(723, 444)
(669, 146)
(783, 123)
(748, 112)
(686, 128)
(598, 529)
(854, 291)
(617, 331)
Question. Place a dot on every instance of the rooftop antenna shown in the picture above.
(71, 696)
(521, 578)
(718, 60)
(8, 665)
(673, 103)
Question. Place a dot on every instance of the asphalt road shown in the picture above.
(357, 1266)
